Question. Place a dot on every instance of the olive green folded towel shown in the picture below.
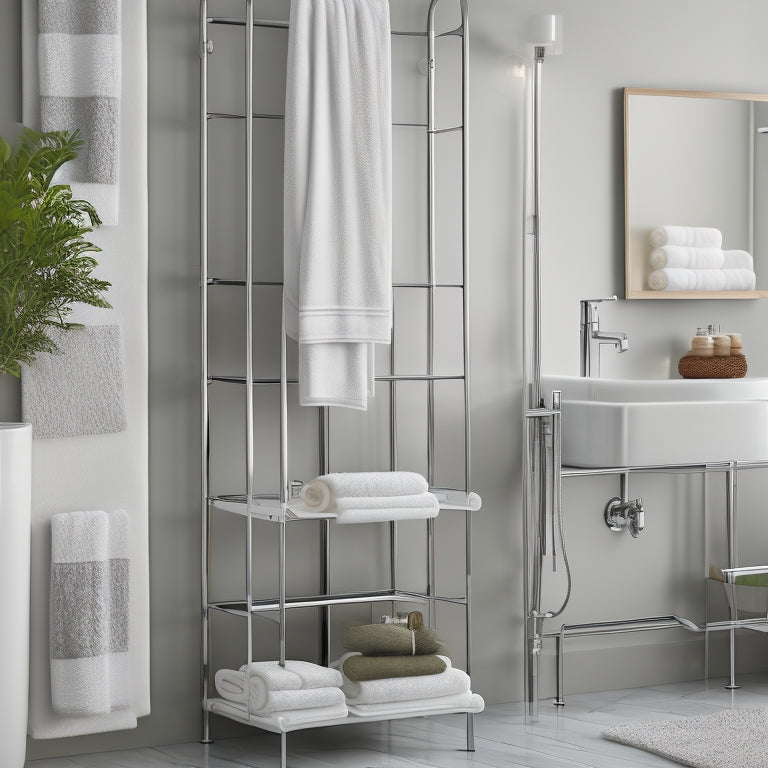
(391, 640)
(747, 580)
(359, 668)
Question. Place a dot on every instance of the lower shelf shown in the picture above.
(238, 713)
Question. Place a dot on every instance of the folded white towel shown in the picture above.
(468, 701)
(687, 256)
(448, 683)
(337, 194)
(237, 687)
(325, 491)
(702, 237)
(283, 721)
(739, 280)
(672, 279)
(367, 497)
(738, 260)
(293, 676)
(365, 510)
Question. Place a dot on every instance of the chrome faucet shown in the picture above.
(592, 337)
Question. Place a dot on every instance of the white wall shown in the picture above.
(608, 45)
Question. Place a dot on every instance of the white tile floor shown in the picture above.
(561, 738)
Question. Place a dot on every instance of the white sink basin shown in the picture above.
(632, 422)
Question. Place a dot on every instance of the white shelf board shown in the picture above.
(269, 509)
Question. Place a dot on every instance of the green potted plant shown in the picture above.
(46, 262)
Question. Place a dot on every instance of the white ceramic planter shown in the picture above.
(15, 524)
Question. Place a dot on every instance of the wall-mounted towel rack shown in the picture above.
(275, 507)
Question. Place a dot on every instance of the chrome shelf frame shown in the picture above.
(276, 507)
(730, 469)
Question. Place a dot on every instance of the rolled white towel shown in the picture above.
(738, 260)
(232, 685)
(448, 683)
(702, 237)
(739, 280)
(685, 256)
(671, 279)
(323, 493)
(293, 676)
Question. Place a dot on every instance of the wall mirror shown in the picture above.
(695, 159)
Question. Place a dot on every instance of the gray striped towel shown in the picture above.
(79, 52)
(89, 613)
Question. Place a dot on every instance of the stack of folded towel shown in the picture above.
(298, 693)
(391, 669)
(692, 259)
(366, 497)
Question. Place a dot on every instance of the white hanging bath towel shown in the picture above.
(89, 613)
(80, 88)
(338, 195)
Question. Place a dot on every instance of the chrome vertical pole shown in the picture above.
(285, 492)
(392, 458)
(204, 438)
(532, 427)
(733, 561)
(466, 340)
(249, 317)
(325, 540)
(535, 401)
(431, 297)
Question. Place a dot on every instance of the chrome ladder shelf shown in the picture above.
(275, 507)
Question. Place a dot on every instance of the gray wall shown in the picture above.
(608, 45)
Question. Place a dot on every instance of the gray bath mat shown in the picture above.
(79, 390)
(736, 738)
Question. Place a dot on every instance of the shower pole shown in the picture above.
(541, 426)
(205, 511)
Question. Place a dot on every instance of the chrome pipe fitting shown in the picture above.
(620, 514)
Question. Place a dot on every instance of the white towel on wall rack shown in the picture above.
(338, 195)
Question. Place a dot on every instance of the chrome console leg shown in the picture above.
(730, 508)
(470, 732)
(559, 686)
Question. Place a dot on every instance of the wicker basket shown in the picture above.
(731, 367)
